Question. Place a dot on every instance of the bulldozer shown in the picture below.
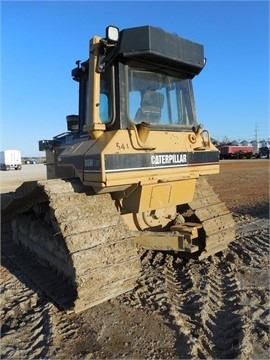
(130, 173)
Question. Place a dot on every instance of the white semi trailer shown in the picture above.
(10, 159)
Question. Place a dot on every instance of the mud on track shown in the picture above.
(214, 308)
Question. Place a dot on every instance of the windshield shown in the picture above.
(160, 99)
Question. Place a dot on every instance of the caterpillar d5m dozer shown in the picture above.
(129, 174)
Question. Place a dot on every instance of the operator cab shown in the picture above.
(141, 79)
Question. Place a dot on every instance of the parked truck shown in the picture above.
(236, 152)
(263, 152)
(10, 159)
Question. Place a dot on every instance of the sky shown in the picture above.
(41, 41)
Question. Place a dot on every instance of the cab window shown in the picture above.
(105, 98)
(159, 99)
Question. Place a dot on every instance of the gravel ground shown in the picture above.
(217, 308)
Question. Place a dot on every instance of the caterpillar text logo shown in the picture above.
(168, 159)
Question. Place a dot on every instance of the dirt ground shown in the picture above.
(10, 180)
(217, 308)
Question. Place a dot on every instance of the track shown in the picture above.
(218, 226)
(81, 237)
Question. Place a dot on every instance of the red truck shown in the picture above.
(236, 152)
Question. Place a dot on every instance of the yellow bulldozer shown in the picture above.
(129, 174)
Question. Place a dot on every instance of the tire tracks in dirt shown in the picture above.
(212, 305)
(25, 331)
(205, 310)
(31, 326)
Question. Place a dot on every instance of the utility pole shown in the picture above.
(256, 136)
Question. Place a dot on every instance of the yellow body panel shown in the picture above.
(161, 174)
(161, 167)
(150, 197)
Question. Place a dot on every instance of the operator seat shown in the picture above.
(151, 105)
